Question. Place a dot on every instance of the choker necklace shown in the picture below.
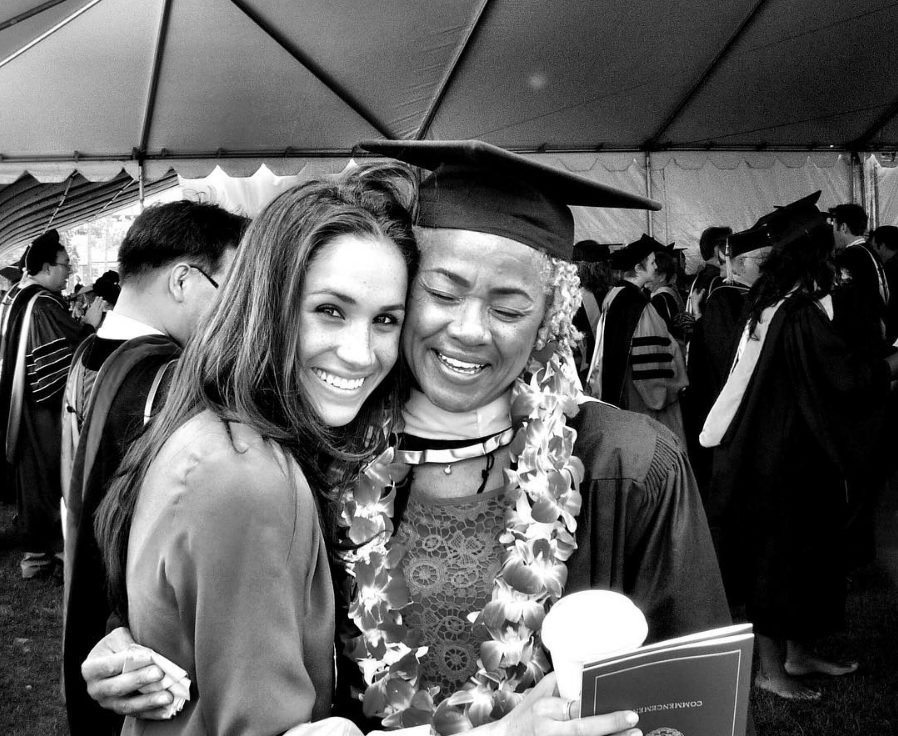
(420, 450)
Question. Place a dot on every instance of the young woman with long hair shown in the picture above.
(218, 528)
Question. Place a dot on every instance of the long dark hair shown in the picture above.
(800, 262)
(242, 364)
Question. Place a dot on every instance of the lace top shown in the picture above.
(452, 558)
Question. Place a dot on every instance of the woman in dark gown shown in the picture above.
(799, 415)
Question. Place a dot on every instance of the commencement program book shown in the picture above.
(694, 685)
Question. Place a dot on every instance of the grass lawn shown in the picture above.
(864, 703)
(30, 645)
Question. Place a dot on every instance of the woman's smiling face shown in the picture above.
(352, 309)
(475, 309)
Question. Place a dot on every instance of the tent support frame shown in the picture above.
(460, 54)
(649, 222)
(652, 142)
(316, 69)
(150, 106)
(26, 14)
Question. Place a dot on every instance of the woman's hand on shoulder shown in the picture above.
(135, 693)
(543, 713)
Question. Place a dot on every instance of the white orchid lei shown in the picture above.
(543, 491)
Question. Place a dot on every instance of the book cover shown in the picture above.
(695, 685)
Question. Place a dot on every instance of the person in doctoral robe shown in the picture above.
(592, 261)
(800, 414)
(172, 260)
(714, 338)
(861, 300)
(665, 294)
(637, 364)
(18, 279)
(38, 342)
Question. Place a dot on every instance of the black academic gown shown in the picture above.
(7, 484)
(890, 268)
(859, 310)
(811, 418)
(642, 530)
(49, 344)
(711, 349)
(114, 416)
(669, 307)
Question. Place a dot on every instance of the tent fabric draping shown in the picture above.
(29, 207)
(147, 86)
(186, 81)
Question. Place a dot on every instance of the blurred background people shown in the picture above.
(637, 365)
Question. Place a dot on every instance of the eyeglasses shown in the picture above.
(64, 264)
(208, 277)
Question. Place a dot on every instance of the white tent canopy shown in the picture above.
(738, 86)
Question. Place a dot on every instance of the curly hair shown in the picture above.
(561, 281)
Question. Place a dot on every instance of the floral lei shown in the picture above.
(539, 537)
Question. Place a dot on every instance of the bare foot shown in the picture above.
(787, 688)
(813, 665)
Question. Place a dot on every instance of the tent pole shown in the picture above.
(858, 193)
(874, 185)
(140, 196)
(648, 193)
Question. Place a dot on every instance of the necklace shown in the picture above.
(452, 454)
(538, 539)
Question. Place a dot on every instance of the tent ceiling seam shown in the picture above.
(861, 141)
(317, 71)
(48, 33)
(26, 14)
(158, 53)
(452, 70)
(718, 59)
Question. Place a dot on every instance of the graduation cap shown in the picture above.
(785, 225)
(11, 273)
(627, 257)
(589, 251)
(671, 249)
(480, 187)
(712, 237)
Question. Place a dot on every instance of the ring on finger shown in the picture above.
(569, 712)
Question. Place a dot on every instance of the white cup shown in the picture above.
(587, 626)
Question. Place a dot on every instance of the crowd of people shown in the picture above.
(789, 337)
(389, 422)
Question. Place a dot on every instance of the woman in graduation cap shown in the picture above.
(798, 415)
(507, 487)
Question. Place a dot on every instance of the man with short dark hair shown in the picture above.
(860, 303)
(38, 339)
(862, 296)
(711, 244)
(172, 261)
